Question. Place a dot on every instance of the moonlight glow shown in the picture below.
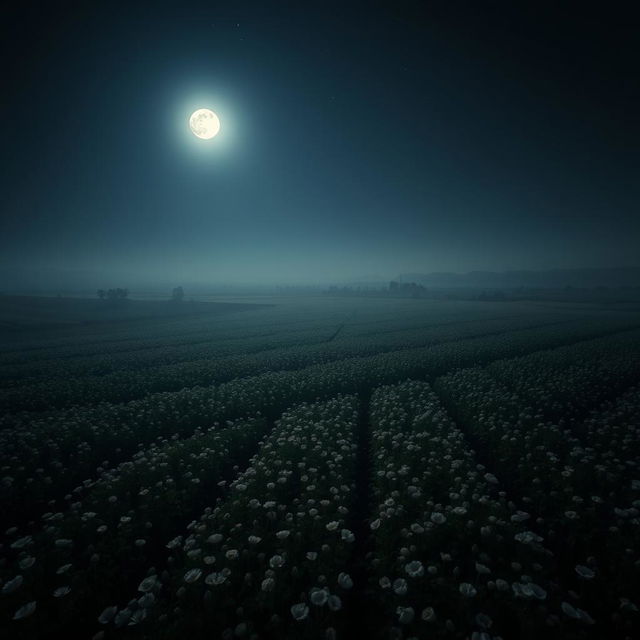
(204, 124)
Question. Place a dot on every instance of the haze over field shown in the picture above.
(356, 139)
(319, 320)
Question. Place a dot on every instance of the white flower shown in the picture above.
(282, 535)
(584, 572)
(254, 539)
(502, 585)
(438, 518)
(214, 579)
(148, 584)
(12, 585)
(25, 611)
(627, 605)
(107, 615)
(312, 555)
(414, 569)
(345, 581)
(520, 516)
(384, 582)
(332, 526)
(63, 543)
(569, 610)
(215, 538)
(576, 614)
(20, 543)
(428, 614)
(318, 597)
(538, 592)
(527, 537)
(335, 603)
(176, 542)
(192, 575)
(375, 524)
(231, 554)
(60, 592)
(405, 615)
(585, 617)
(299, 611)
(400, 586)
(347, 535)
(268, 584)
(467, 590)
(483, 621)
(276, 561)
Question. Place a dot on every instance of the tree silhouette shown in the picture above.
(113, 294)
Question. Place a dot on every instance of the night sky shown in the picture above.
(357, 139)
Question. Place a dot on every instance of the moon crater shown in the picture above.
(204, 124)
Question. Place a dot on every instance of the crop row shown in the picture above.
(160, 332)
(270, 558)
(451, 555)
(207, 365)
(361, 317)
(76, 561)
(568, 381)
(136, 355)
(576, 478)
(42, 459)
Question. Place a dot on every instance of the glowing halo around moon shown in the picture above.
(204, 124)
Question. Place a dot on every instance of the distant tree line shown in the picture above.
(177, 294)
(568, 293)
(395, 289)
(407, 289)
(113, 294)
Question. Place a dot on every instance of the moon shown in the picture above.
(204, 124)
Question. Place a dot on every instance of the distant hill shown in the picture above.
(551, 279)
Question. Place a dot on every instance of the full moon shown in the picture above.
(204, 124)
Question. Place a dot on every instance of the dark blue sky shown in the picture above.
(357, 139)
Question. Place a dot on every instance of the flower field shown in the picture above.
(327, 469)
